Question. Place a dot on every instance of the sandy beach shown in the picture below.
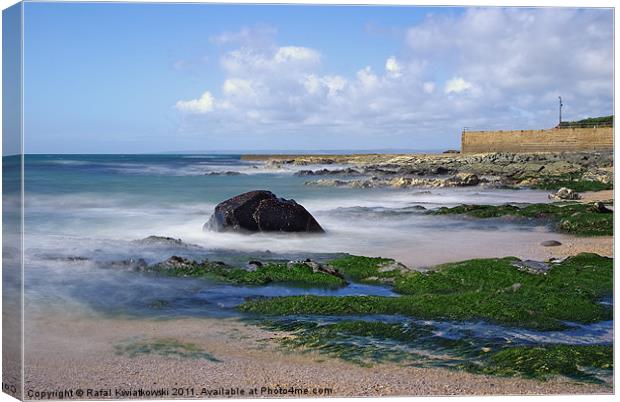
(571, 245)
(250, 357)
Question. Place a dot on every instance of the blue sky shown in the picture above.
(135, 78)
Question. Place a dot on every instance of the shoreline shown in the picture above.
(248, 357)
(78, 348)
(86, 345)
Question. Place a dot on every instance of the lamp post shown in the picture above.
(560, 122)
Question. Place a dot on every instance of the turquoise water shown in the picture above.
(86, 198)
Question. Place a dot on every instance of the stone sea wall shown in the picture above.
(550, 140)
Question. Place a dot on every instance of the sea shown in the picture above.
(85, 215)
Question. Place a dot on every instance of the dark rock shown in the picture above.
(253, 265)
(550, 243)
(322, 172)
(226, 173)
(442, 170)
(76, 259)
(311, 172)
(600, 208)
(261, 211)
(65, 258)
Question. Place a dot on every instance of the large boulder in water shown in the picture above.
(261, 211)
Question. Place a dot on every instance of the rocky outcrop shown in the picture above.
(261, 211)
(502, 168)
(565, 194)
(323, 172)
(226, 173)
(459, 180)
(392, 265)
(184, 265)
(174, 262)
(160, 240)
(164, 241)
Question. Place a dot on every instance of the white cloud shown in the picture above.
(289, 54)
(246, 36)
(247, 61)
(392, 66)
(428, 87)
(367, 79)
(456, 85)
(238, 87)
(485, 68)
(332, 84)
(204, 104)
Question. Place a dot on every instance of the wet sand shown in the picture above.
(524, 245)
(77, 351)
(591, 196)
(571, 245)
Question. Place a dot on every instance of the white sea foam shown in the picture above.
(370, 223)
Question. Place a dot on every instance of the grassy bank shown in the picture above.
(573, 218)
(488, 289)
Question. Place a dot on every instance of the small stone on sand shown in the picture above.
(550, 243)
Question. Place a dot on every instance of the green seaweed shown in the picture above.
(575, 185)
(574, 218)
(575, 181)
(165, 347)
(369, 342)
(366, 269)
(543, 362)
(488, 289)
(294, 275)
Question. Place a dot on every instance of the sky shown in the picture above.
(144, 78)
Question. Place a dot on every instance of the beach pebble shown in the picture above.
(550, 243)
